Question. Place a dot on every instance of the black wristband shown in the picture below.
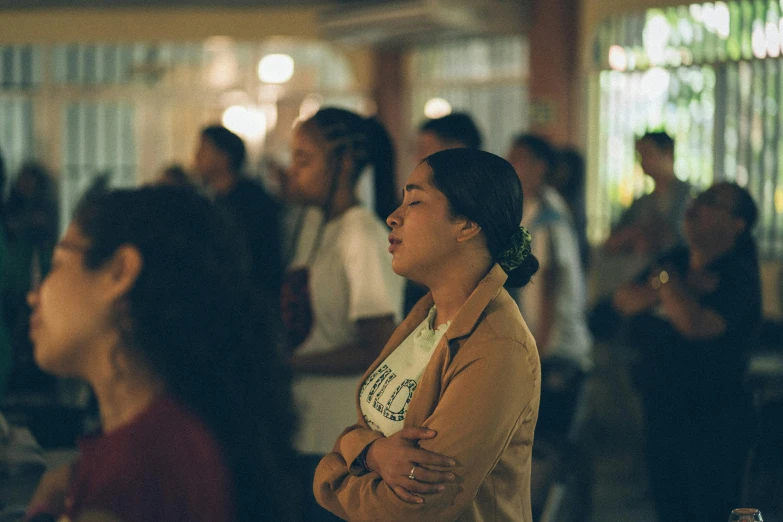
(361, 460)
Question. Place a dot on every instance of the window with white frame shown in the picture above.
(485, 77)
(710, 74)
(125, 111)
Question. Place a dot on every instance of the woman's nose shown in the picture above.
(394, 218)
(32, 297)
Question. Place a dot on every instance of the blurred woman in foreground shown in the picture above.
(148, 301)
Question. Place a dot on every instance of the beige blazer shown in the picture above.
(480, 392)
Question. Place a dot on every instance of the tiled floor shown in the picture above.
(613, 436)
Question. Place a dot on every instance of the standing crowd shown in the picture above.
(399, 361)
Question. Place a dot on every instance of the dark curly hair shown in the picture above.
(484, 188)
(192, 318)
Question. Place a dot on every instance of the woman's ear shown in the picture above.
(740, 226)
(468, 230)
(346, 167)
(123, 270)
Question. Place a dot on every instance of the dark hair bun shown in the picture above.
(521, 275)
(484, 188)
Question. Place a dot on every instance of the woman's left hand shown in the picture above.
(398, 458)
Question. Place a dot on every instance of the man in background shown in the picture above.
(654, 222)
(220, 159)
(652, 225)
(453, 131)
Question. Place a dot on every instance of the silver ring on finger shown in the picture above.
(411, 475)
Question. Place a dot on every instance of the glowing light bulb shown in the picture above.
(248, 122)
(437, 108)
(275, 68)
(618, 58)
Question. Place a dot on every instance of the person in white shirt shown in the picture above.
(340, 300)
(554, 305)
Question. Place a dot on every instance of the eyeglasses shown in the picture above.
(713, 199)
(72, 247)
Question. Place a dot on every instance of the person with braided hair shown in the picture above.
(340, 298)
(446, 413)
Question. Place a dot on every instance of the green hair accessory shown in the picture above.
(515, 254)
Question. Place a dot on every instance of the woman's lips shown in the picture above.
(393, 243)
(35, 322)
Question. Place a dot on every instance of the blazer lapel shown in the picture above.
(469, 314)
(428, 390)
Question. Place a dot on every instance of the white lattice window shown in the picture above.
(709, 74)
(485, 77)
(127, 110)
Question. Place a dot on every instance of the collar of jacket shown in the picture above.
(469, 314)
(462, 325)
(468, 317)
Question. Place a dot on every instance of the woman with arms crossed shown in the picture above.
(447, 411)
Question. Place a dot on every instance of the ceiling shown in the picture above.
(42, 4)
(350, 21)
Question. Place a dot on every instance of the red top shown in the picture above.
(164, 465)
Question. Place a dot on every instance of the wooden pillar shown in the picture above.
(554, 36)
(391, 102)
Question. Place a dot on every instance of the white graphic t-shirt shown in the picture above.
(385, 395)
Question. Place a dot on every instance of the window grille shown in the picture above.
(98, 141)
(127, 110)
(16, 132)
(711, 75)
(485, 77)
(20, 72)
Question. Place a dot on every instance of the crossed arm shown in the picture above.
(486, 401)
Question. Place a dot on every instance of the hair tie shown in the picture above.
(515, 254)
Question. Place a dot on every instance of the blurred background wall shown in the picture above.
(120, 88)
